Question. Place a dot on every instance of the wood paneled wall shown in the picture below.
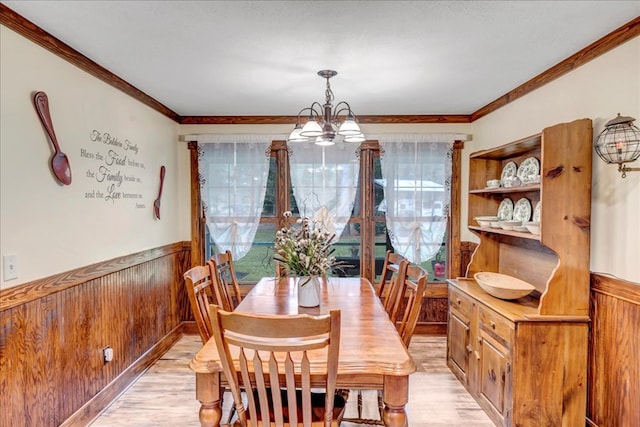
(614, 353)
(53, 331)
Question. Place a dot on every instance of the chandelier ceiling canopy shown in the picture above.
(323, 121)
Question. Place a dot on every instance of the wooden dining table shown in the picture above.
(372, 354)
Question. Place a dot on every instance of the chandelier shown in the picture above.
(323, 123)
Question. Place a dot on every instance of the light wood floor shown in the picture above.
(165, 394)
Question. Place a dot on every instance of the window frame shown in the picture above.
(368, 151)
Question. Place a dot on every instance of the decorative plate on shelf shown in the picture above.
(509, 171)
(529, 169)
(505, 210)
(536, 212)
(522, 210)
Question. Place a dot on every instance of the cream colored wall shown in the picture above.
(598, 90)
(54, 228)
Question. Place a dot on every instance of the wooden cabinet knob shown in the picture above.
(458, 301)
(493, 324)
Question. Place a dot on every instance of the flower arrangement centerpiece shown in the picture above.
(305, 252)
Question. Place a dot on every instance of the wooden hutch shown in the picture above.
(525, 361)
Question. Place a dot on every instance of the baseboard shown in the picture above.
(190, 327)
(431, 329)
(90, 410)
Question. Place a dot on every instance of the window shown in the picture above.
(364, 240)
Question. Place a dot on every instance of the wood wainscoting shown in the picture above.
(53, 332)
(614, 356)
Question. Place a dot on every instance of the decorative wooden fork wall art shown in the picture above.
(59, 161)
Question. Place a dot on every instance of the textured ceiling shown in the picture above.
(261, 57)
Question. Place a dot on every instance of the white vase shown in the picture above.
(308, 291)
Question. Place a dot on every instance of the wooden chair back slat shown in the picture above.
(389, 272)
(274, 349)
(227, 286)
(394, 299)
(413, 282)
(200, 289)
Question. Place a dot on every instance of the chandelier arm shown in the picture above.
(340, 107)
(312, 112)
(317, 113)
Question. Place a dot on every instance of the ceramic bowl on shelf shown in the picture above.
(511, 182)
(485, 221)
(493, 183)
(533, 227)
(521, 228)
(503, 286)
(496, 224)
(510, 225)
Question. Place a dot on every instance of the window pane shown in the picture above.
(436, 266)
(382, 244)
(258, 263)
(347, 252)
(269, 208)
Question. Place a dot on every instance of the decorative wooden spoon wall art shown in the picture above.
(156, 204)
(59, 161)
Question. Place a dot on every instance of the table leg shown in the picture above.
(208, 393)
(395, 396)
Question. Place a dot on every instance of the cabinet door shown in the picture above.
(459, 339)
(494, 376)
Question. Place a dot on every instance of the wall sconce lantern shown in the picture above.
(619, 143)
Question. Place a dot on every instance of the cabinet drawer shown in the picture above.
(495, 325)
(460, 302)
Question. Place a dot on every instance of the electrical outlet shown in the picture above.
(10, 266)
(107, 352)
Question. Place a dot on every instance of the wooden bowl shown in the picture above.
(503, 286)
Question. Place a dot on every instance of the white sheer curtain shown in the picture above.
(233, 179)
(416, 171)
(325, 181)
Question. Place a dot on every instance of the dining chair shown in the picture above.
(388, 275)
(411, 289)
(225, 281)
(405, 298)
(200, 289)
(275, 370)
